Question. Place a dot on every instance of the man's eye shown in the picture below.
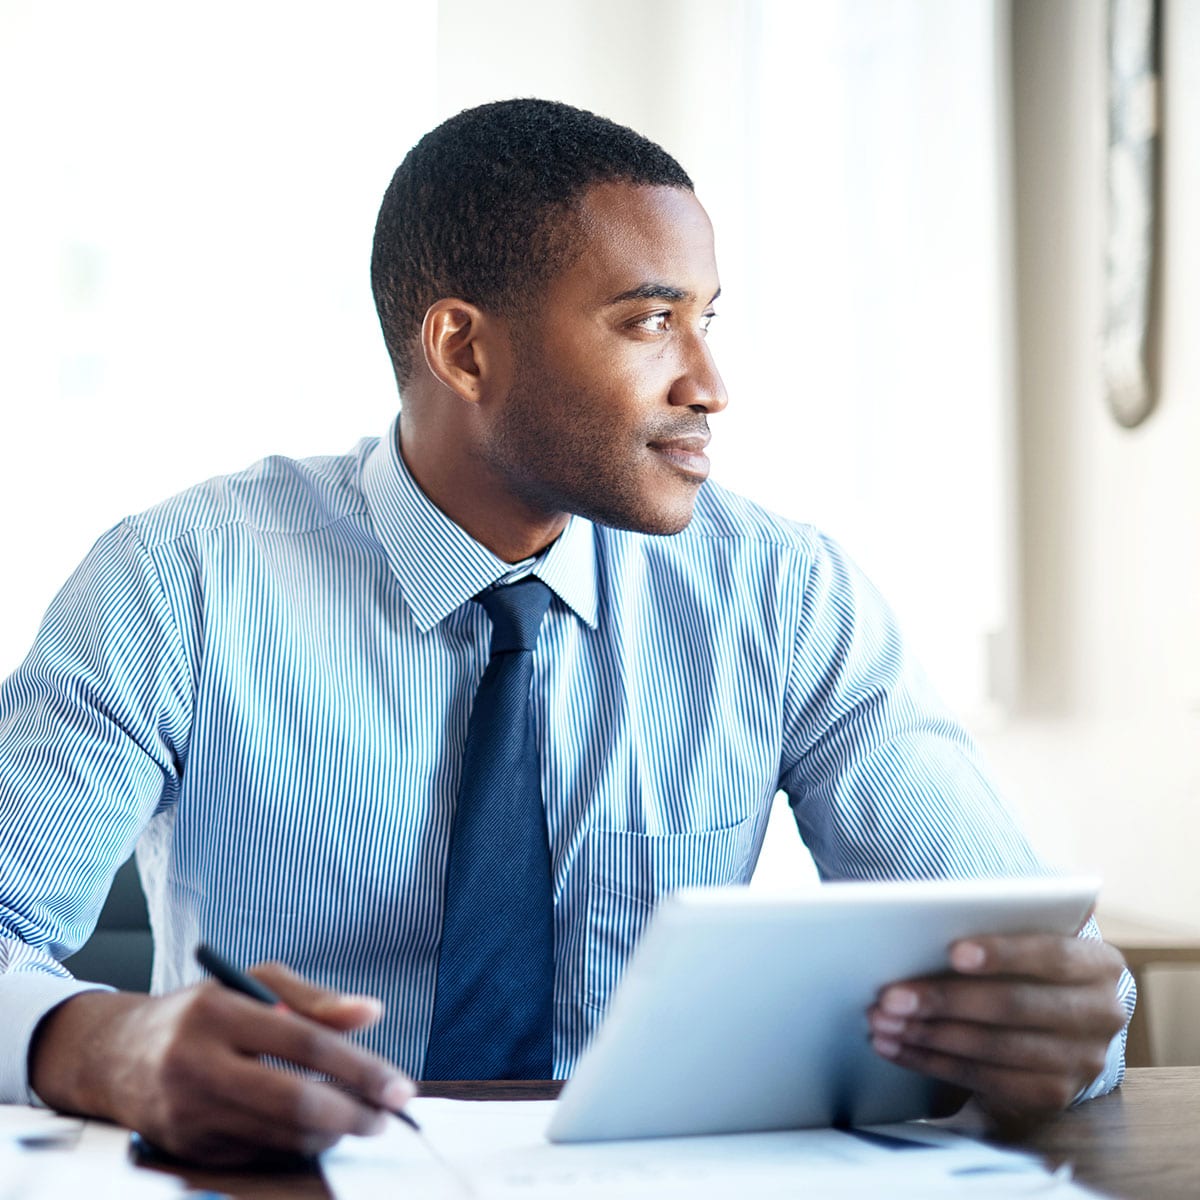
(660, 322)
(655, 322)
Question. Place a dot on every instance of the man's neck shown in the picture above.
(497, 520)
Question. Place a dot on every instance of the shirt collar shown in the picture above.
(439, 566)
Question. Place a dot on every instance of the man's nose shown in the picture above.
(699, 385)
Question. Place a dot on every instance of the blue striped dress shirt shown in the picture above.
(263, 686)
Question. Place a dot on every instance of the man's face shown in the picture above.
(613, 380)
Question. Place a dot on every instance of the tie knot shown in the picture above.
(516, 610)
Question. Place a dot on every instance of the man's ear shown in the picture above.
(465, 348)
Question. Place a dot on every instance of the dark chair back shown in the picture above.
(120, 951)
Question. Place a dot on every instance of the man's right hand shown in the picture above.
(185, 1071)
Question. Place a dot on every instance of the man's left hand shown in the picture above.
(1024, 1022)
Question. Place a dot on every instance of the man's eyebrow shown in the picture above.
(657, 291)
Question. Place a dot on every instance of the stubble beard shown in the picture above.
(555, 447)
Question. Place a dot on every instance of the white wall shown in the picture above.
(1108, 751)
(1105, 757)
(185, 228)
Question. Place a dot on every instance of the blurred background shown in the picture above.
(909, 198)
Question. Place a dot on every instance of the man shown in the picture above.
(436, 722)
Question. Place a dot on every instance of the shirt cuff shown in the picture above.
(25, 998)
(1111, 1076)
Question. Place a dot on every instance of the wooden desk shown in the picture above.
(1138, 1143)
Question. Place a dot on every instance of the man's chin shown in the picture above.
(654, 519)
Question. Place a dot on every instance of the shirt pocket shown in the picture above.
(629, 873)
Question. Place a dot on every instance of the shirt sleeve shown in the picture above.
(1114, 1062)
(884, 784)
(92, 726)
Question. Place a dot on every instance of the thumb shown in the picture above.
(339, 1010)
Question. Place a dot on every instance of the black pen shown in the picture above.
(237, 980)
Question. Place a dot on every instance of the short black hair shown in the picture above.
(476, 208)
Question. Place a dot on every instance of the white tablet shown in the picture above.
(743, 1010)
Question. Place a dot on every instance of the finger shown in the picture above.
(212, 1095)
(1000, 1087)
(235, 1136)
(1039, 956)
(1020, 1049)
(299, 1107)
(1076, 1010)
(339, 1010)
(255, 1029)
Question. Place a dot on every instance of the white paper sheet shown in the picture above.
(44, 1156)
(497, 1151)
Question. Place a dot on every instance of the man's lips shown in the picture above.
(686, 453)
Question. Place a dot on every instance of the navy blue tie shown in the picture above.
(493, 1011)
